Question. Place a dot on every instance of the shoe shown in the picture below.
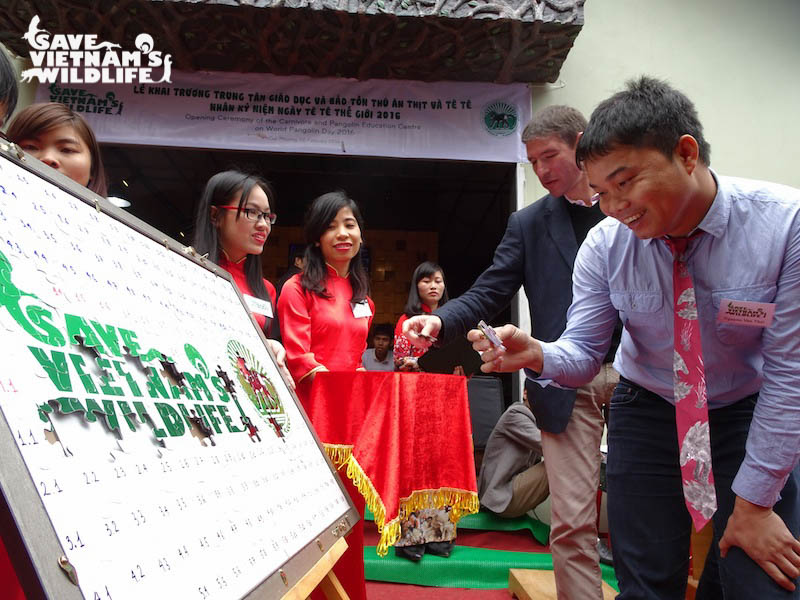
(606, 557)
(440, 548)
(413, 553)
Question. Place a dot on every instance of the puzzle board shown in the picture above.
(146, 432)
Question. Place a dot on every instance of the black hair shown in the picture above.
(319, 216)
(649, 113)
(383, 329)
(220, 190)
(296, 251)
(414, 304)
(9, 90)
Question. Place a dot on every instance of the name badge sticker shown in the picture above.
(361, 309)
(741, 312)
(258, 306)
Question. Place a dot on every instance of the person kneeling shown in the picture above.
(512, 479)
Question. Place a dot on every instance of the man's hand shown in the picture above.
(763, 535)
(280, 358)
(521, 350)
(418, 328)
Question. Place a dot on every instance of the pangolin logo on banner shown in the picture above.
(78, 58)
(500, 118)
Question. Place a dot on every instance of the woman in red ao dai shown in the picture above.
(325, 318)
(233, 221)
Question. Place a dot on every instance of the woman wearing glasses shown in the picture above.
(234, 219)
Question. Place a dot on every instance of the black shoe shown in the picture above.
(440, 548)
(413, 553)
(605, 553)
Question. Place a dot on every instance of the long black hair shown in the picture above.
(324, 210)
(414, 304)
(220, 190)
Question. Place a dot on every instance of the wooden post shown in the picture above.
(700, 546)
(530, 584)
(321, 574)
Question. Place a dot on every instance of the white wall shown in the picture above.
(737, 60)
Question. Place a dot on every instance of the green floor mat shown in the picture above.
(487, 521)
(474, 568)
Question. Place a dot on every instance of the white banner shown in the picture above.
(256, 111)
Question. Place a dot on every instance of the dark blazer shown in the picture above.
(537, 252)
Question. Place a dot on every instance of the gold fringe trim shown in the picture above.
(339, 454)
(461, 502)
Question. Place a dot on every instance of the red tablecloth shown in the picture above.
(404, 439)
(9, 584)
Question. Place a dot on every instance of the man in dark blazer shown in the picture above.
(537, 252)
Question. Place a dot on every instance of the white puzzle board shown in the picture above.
(143, 503)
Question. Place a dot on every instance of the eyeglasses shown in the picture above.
(251, 214)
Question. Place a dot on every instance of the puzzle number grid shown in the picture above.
(167, 450)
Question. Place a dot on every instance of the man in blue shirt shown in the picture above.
(537, 252)
(646, 157)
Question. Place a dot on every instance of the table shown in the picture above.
(403, 439)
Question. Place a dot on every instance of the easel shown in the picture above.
(41, 534)
(322, 575)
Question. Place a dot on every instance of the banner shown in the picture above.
(256, 111)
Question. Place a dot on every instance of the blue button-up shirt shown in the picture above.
(750, 251)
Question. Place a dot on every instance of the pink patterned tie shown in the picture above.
(689, 382)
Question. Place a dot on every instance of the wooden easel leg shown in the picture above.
(701, 546)
(321, 575)
(529, 584)
(331, 587)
